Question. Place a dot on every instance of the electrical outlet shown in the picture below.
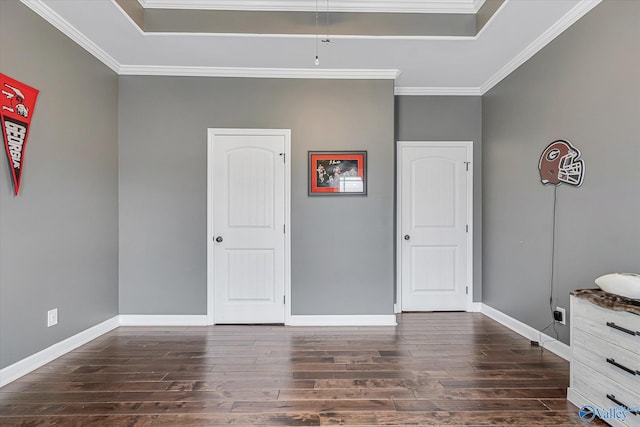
(52, 317)
(560, 316)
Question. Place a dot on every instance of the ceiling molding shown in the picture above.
(47, 13)
(270, 73)
(437, 91)
(287, 36)
(310, 36)
(563, 23)
(70, 31)
(397, 6)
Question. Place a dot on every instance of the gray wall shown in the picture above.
(59, 237)
(583, 87)
(342, 248)
(449, 118)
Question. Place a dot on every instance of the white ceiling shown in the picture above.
(420, 65)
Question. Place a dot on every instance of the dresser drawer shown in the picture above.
(597, 387)
(614, 362)
(617, 327)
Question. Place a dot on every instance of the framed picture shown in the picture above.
(337, 173)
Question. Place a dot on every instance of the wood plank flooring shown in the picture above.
(433, 369)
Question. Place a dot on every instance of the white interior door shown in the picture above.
(434, 225)
(249, 218)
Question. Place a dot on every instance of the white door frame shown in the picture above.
(469, 146)
(211, 134)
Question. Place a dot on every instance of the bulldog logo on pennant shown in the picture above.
(17, 102)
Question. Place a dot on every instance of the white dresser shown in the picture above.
(605, 361)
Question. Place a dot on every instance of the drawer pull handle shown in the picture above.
(612, 398)
(624, 368)
(620, 328)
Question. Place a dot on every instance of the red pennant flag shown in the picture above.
(17, 102)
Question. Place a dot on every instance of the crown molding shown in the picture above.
(437, 91)
(563, 23)
(384, 6)
(306, 36)
(271, 73)
(70, 31)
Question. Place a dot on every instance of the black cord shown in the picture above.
(328, 22)
(553, 259)
(550, 325)
(553, 247)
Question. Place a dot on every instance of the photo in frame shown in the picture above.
(333, 173)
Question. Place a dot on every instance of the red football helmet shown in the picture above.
(559, 163)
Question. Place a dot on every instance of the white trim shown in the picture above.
(342, 320)
(396, 6)
(33, 362)
(469, 147)
(273, 73)
(576, 398)
(287, 219)
(491, 18)
(163, 320)
(579, 400)
(554, 31)
(545, 341)
(438, 91)
(210, 230)
(73, 33)
(211, 133)
(310, 36)
(475, 307)
(290, 36)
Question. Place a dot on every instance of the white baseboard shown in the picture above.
(343, 320)
(164, 320)
(551, 344)
(475, 307)
(33, 362)
(576, 398)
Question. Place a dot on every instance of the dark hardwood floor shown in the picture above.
(433, 369)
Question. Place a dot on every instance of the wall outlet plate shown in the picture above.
(560, 315)
(52, 317)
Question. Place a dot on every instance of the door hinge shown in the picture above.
(284, 299)
(284, 228)
(467, 290)
(467, 165)
(284, 157)
(467, 228)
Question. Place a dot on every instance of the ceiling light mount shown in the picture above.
(317, 61)
(326, 39)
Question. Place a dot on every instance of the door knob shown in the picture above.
(407, 237)
(219, 239)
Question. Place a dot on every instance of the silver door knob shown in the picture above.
(219, 239)
(407, 237)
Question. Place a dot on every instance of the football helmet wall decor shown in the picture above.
(560, 163)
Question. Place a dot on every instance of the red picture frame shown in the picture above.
(333, 173)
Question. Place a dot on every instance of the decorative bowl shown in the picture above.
(623, 284)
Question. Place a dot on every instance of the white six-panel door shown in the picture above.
(434, 243)
(248, 207)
